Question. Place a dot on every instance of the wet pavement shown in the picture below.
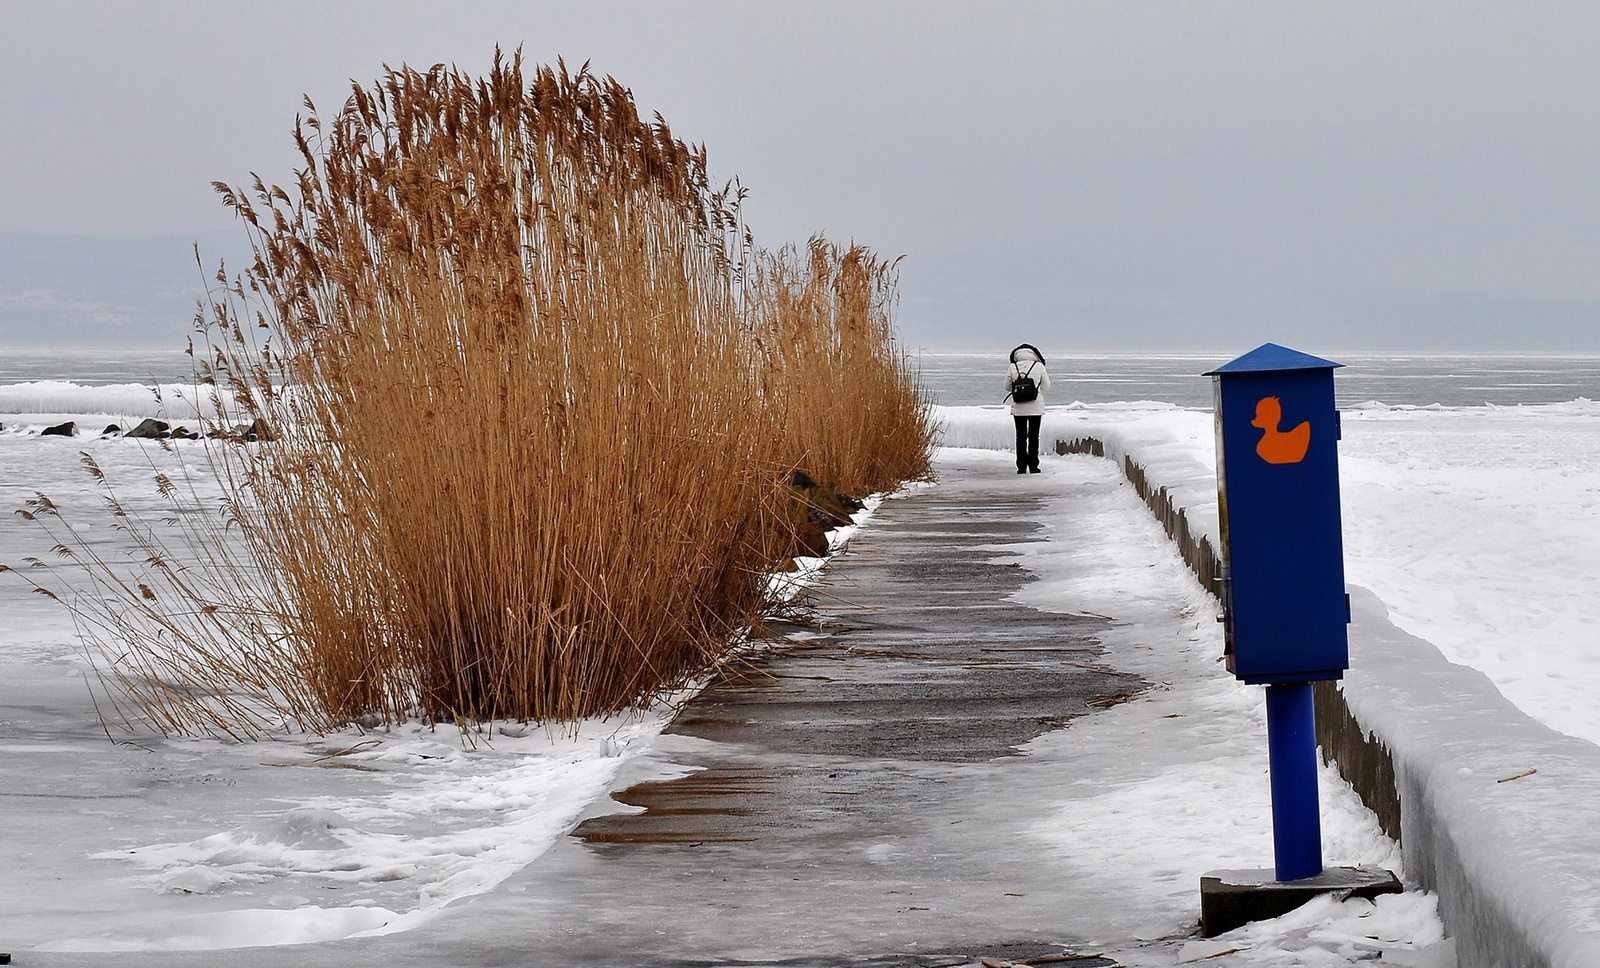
(834, 800)
(911, 654)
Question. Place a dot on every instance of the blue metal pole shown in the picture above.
(1292, 750)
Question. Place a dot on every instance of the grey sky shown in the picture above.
(1085, 176)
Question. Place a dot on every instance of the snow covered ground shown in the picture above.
(192, 844)
(1174, 784)
(130, 842)
(153, 845)
(1478, 527)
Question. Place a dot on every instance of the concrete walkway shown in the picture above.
(843, 800)
(827, 785)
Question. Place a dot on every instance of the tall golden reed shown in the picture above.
(849, 406)
(531, 425)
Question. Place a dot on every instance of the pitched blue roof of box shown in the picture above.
(1271, 356)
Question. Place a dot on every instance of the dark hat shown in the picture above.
(1028, 346)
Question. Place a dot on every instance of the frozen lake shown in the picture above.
(966, 379)
(958, 380)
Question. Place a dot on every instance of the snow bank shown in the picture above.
(52, 401)
(1479, 529)
(1175, 446)
(1146, 796)
(1168, 452)
(1512, 859)
(453, 824)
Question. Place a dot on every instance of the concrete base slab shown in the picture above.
(1230, 899)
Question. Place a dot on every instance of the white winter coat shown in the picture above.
(1025, 359)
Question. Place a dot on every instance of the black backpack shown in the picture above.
(1023, 389)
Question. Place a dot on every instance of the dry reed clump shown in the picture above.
(849, 406)
(532, 426)
(518, 476)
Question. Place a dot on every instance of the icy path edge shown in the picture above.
(1435, 750)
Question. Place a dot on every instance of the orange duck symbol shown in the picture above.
(1278, 447)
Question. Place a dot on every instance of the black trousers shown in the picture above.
(1027, 442)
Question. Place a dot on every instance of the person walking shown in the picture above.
(1026, 382)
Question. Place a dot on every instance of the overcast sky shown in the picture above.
(1098, 176)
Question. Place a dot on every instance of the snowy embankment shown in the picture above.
(35, 405)
(1477, 533)
(1147, 795)
(170, 844)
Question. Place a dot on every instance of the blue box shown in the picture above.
(1284, 603)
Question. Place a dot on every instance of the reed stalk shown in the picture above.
(533, 402)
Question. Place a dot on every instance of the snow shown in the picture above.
(158, 844)
(1394, 929)
(1477, 530)
(1173, 444)
(192, 844)
(41, 403)
(438, 823)
(1478, 527)
(1480, 531)
(1511, 853)
(1174, 784)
